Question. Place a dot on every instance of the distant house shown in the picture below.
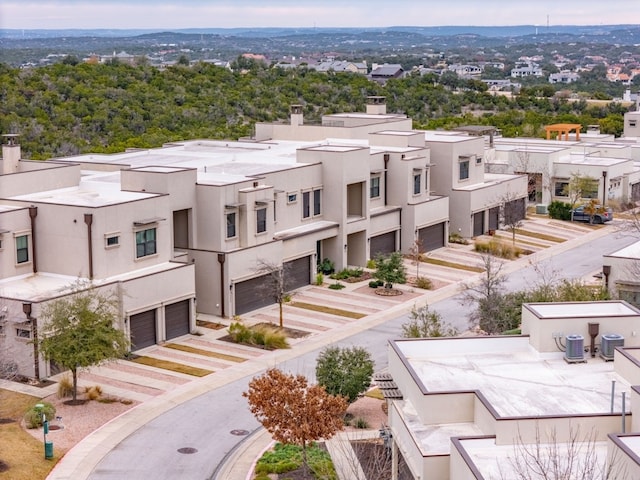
(563, 77)
(468, 71)
(384, 72)
(529, 70)
(341, 66)
(122, 57)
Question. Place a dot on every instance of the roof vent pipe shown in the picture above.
(594, 330)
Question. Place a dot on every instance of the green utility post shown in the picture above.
(48, 446)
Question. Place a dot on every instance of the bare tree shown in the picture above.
(487, 296)
(275, 285)
(511, 213)
(549, 458)
(424, 323)
(415, 252)
(361, 457)
(578, 187)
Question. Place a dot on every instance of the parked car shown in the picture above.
(599, 215)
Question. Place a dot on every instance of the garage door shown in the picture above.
(143, 329)
(176, 319)
(494, 218)
(382, 244)
(514, 211)
(432, 237)
(252, 294)
(635, 192)
(297, 273)
(478, 224)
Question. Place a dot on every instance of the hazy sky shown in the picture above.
(304, 13)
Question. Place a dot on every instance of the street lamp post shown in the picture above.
(48, 446)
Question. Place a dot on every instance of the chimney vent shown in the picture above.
(10, 153)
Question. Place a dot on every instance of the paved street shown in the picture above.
(202, 414)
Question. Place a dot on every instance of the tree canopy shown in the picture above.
(79, 331)
(344, 371)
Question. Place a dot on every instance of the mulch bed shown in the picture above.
(289, 332)
(210, 325)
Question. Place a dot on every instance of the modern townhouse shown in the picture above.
(564, 392)
(199, 219)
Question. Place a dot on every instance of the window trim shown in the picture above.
(464, 161)
(155, 243)
(375, 187)
(16, 236)
(292, 197)
(417, 182)
(227, 224)
(109, 236)
(22, 329)
(260, 222)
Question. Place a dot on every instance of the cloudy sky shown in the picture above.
(163, 14)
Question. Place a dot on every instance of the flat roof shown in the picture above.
(612, 308)
(631, 251)
(516, 380)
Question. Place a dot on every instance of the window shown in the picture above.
(374, 188)
(561, 189)
(306, 203)
(631, 296)
(261, 220)
(464, 170)
(417, 183)
(112, 240)
(426, 181)
(632, 123)
(292, 197)
(591, 191)
(306, 211)
(146, 242)
(22, 249)
(231, 225)
(23, 332)
(316, 202)
(478, 160)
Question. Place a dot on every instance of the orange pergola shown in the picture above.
(560, 129)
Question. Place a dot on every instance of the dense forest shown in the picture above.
(72, 108)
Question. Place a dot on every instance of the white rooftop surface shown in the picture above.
(582, 309)
(631, 251)
(447, 137)
(489, 180)
(515, 379)
(579, 158)
(496, 462)
(533, 148)
(43, 286)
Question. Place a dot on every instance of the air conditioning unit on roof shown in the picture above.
(575, 349)
(608, 343)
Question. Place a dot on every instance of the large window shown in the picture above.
(417, 183)
(261, 220)
(22, 249)
(146, 242)
(374, 187)
(231, 225)
(590, 190)
(306, 203)
(561, 189)
(464, 169)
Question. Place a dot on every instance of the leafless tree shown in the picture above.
(415, 252)
(275, 285)
(510, 215)
(487, 296)
(549, 458)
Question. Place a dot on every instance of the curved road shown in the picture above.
(205, 423)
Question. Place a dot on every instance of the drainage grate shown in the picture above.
(187, 450)
(239, 432)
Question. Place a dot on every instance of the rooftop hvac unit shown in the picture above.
(575, 348)
(608, 344)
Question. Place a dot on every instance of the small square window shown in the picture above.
(478, 160)
(632, 123)
(292, 197)
(23, 332)
(112, 241)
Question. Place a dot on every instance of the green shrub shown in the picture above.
(371, 264)
(373, 284)
(240, 333)
(346, 273)
(361, 423)
(336, 286)
(319, 278)
(380, 283)
(326, 266)
(457, 238)
(559, 210)
(285, 458)
(424, 283)
(33, 417)
(65, 387)
(273, 339)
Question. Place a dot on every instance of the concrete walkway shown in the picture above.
(161, 390)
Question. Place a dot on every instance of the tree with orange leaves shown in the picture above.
(293, 411)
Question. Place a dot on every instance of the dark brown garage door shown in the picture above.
(297, 273)
(252, 294)
(494, 218)
(432, 237)
(382, 244)
(478, 224)
(143, 329)
(176, 319)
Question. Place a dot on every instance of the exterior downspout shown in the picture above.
(221, 259)
(33, 213)
(88, 219)
(387, 157)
